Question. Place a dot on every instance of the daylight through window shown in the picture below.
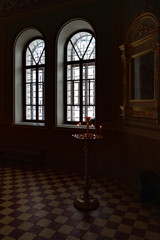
(80, 77)
(34, 81)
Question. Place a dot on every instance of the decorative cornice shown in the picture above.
(9, 5)
(143, 30)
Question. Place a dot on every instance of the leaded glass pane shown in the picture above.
(41, 113)
(30, 75)
(69, 88)
(86, 92)
(41, 75)
(28, 112)
(71, 53)
(28, 94)
(34, 112)
(35, 53)
(89, 84)
(73, 88)
(73, 72)
(69, 72)
(75, 113)
(40, 94)
(92, 92)
(90, 53)
(33, 86)
(88, 111)
(80, 42)
(89, 71)
(69, 114)
(29, 59)
(76, 93)
(42, 58)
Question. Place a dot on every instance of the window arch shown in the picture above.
(68, 31)
(21, 42)
(34, 71)
(80, 77)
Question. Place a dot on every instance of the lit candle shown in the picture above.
(87, 118)
(92, 129)
(100, 130)
(78, 129)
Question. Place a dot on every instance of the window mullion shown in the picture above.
(32, 55)
(41, 56)
(86, 88)
(25, 98)
(75, 49)
(81, 91)
(87, 47)
(37, 95)
(31, 96)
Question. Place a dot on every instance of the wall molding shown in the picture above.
(9, 5)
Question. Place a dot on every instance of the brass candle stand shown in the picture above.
(86, 201)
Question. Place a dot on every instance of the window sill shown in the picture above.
(34, 124)
(73, 126)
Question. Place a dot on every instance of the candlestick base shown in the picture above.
(81, 203)
(86, 202)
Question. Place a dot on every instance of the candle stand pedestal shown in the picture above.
(86, 201)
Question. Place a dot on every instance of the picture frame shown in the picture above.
(142, 76)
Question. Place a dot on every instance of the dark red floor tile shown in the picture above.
(95, 228)
(113, 225)
(16, 233)
(121, 236)
(79, 233)
(59, 236)
(138, 232)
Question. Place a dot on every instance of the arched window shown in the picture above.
(34, 81)
(29, 66)
(80, 77)
(65, 39)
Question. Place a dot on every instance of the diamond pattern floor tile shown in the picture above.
(37, 204)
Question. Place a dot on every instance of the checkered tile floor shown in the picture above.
(37, 204)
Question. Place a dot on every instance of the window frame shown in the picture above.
(24, 67)
(78, 62)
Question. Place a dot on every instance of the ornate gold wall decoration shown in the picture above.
(141, 75)
(142, 30)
